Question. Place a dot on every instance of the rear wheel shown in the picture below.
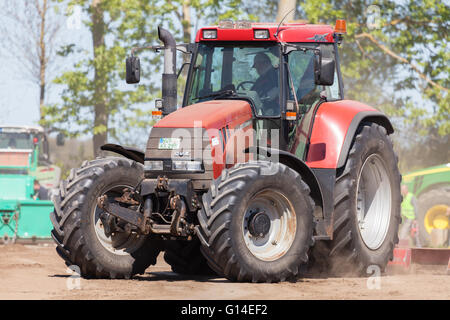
(432, 209)
(79, 232)
(367, 207)
(256, 223)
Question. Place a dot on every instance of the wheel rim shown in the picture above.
(436, 218)
(373, 202)
(119, 243)
(275, 239)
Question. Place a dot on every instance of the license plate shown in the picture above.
(169, 143)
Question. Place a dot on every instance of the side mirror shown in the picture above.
(323, 70)
(60, 139)
(133, 68)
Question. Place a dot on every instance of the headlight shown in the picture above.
(153, 165)
(187, 165)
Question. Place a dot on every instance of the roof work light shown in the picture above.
(210, 34)
(261, 34)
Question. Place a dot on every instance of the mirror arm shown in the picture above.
(188, 48)
(181, 68)
(154, 48)
(289, 47)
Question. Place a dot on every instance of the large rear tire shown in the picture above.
(366, 208)
(79, 232)
(256, 223)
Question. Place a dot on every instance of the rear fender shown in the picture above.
(334, 128)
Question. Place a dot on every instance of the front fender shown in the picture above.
(294, 163)
(128, 152)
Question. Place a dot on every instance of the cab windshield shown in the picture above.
(15, 140)
(244, 70)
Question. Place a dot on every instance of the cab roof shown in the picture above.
(288, 32)
(19, 128)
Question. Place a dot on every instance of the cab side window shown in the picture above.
(301, 80)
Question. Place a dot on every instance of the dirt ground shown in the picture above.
(37, 272)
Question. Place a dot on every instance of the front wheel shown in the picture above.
(256, 223)
(79, 231)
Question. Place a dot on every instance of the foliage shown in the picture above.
(94, 87)
(97, 79)
(393, 49)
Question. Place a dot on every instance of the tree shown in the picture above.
(29, 32)
(395, 48)
(95, 100)
(286, 10)
(395, 57)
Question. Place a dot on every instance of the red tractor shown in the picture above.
(264, 170)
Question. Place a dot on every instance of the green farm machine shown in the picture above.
(26, 181)
(431, 187)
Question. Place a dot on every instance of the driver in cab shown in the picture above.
(266, 86)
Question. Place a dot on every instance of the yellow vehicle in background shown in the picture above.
(431, 187)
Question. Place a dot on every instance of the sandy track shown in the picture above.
(37, 272)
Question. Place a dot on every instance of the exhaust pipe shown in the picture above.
(169, 77)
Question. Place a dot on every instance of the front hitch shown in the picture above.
(178, 225)
(127, 215)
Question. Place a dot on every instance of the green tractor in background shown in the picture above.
(27, 179)
(431, 187)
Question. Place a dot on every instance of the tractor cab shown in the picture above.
(282, 71)
(263, 65)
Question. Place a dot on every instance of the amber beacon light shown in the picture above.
(340, 27)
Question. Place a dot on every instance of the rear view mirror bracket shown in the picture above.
(181, 68)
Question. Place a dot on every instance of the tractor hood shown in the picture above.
(211, 114)
(201, 132)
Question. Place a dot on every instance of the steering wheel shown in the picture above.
(242, 85)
